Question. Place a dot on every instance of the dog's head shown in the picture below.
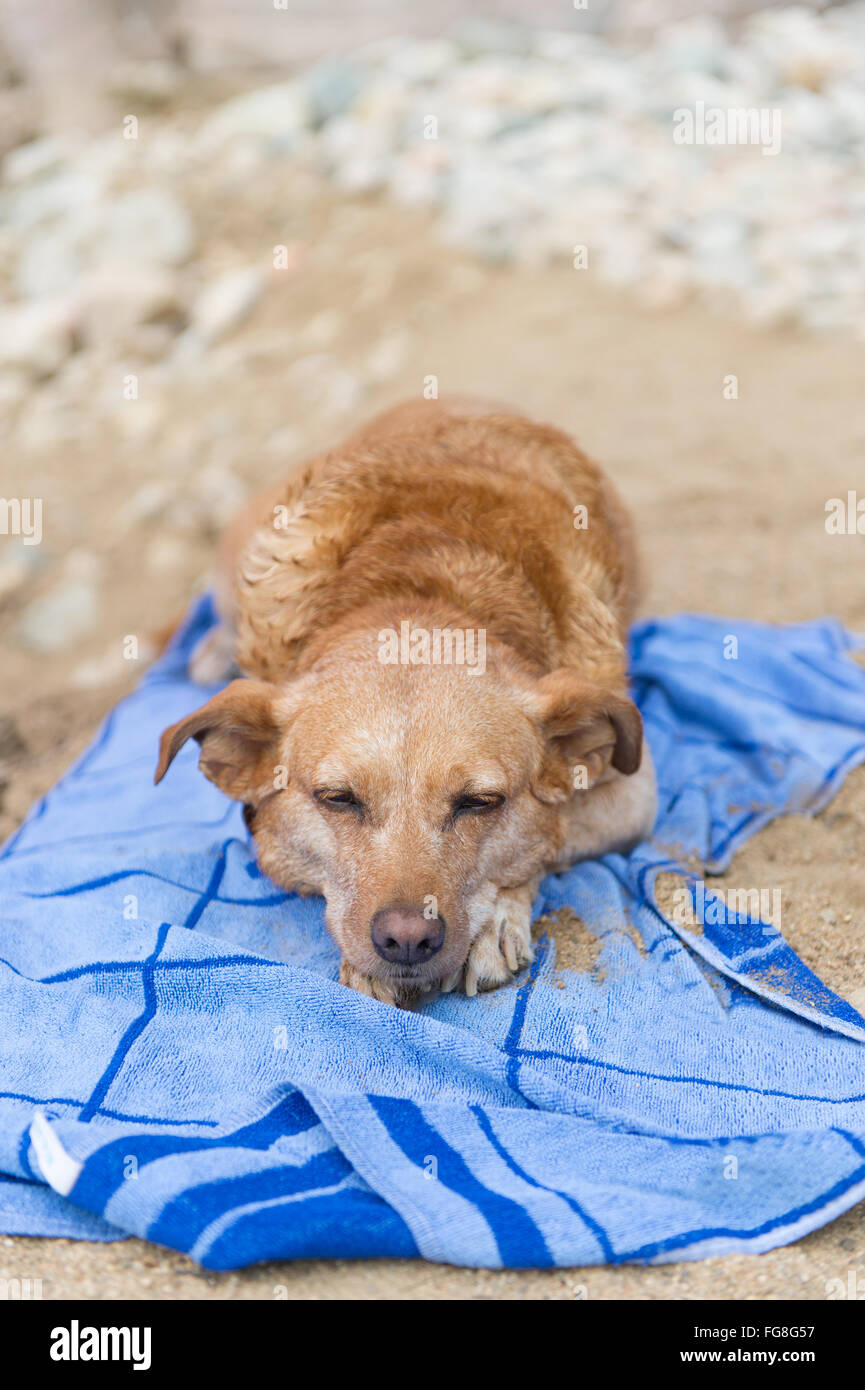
(407, 793)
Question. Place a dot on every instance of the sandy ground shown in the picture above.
(729, 496)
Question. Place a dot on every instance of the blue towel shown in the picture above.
(178, 1061)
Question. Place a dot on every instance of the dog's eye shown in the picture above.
(336, 799)
(484, 801)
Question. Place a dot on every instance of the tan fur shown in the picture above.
(444, 516)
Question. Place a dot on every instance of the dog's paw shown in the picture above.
(504, 946)
(212, 661)
(385, 991)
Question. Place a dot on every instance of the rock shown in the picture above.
(60, 618)
(111, 301)
(142, 229)
(36, 338)
(18, 565)
(151, 83)
(421, 62)
(359, 153)
(329, 88)
(477, 36)
(35, 159)
(277, 116)
(226, 303)
(48, 265)
(67, 194)
(147, 227)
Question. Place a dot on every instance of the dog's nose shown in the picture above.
(404, 936)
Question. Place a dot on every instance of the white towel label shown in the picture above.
(58, 1167)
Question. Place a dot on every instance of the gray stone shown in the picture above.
(35, 159)
(35, 339)
(278, 116)
(60, 618)
(112, 301)
(330, 88)
(19, 563)
(149, 226)
(227, 302)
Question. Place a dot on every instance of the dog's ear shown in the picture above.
(238, 730)
(586, 727)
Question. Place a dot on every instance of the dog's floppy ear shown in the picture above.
(238, 731)
(586, 726)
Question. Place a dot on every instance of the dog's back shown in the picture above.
(504, 521)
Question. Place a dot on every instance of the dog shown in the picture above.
(430, 621)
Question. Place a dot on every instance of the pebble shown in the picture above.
(152, 83)
(329, 88)
(149, 226)
(276, 116)
(144, 228)
(226, 303)
(57, 620)
(35, 159)
(18, 565)
(110, 302)
(35, 338)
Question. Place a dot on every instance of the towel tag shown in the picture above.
(59, 1169)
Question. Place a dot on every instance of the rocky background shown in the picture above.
(225, 235)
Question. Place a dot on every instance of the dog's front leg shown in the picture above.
(503, 946)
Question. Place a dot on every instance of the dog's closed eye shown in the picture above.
(475, 803)
(337, 799)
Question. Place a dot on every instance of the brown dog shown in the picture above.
(433, 619)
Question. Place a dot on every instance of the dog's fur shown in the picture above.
(428, 789)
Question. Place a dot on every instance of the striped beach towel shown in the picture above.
(179, 1061)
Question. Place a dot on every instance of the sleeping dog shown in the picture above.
(431, 621)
